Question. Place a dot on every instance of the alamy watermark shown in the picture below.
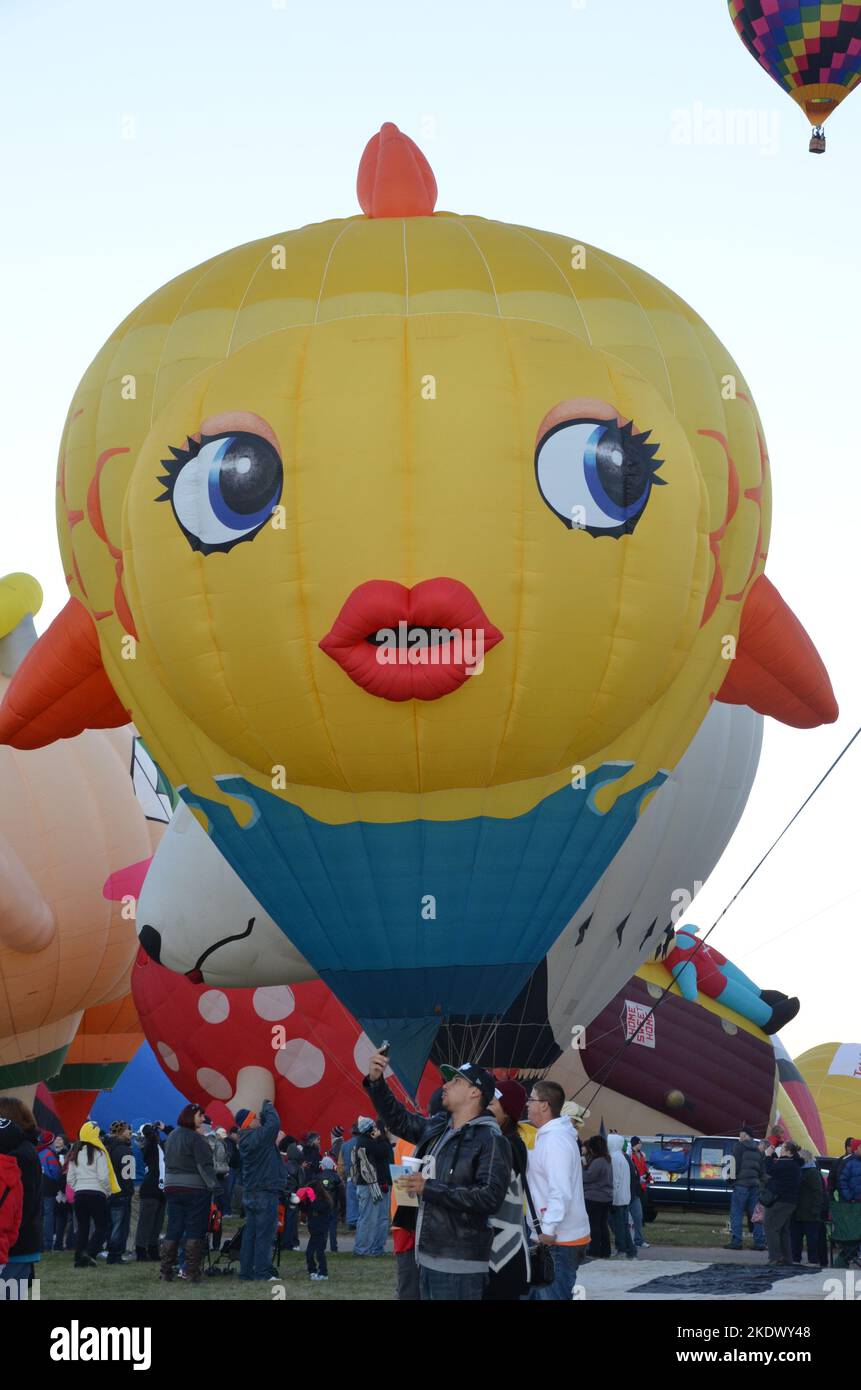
(407, 645)
(716, 125)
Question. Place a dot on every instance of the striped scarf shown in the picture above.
(509, 1226)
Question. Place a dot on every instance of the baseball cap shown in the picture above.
(476, 1076)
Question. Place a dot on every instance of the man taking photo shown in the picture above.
(467, 1171)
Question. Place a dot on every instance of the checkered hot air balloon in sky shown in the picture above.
(813, 51)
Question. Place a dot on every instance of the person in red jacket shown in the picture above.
(11, 1190)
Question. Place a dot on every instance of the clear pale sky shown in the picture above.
(139, 140)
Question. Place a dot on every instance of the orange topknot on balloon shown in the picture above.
(395, 179)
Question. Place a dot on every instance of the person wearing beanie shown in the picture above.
(508, 1275)
(371, 1160)
(465, 1176)
(262, 1181)
(11, 1191)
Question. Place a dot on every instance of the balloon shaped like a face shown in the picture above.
(418, 546)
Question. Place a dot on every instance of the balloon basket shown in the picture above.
(817, 141)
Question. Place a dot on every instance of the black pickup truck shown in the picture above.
(689, 1173)
(694, 1173)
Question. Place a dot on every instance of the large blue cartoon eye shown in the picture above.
(223, 489)
(596, 475)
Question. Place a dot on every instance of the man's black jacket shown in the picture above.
(472, 1176)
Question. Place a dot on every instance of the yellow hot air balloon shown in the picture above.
(418, 553)
(833, 1075)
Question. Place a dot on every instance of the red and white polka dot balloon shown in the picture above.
(228, 1049)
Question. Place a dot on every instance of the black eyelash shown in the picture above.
(176, 464)
(639, 451)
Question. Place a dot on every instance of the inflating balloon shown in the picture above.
(832, 1072)
(197, 917)
(418, 554)
(69, 823)
(297, 1047)
(795, 1110)
(108, 1037)
(812, 49)
(694, 1066)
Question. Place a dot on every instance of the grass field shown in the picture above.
(689, 1228)
(349, 1277)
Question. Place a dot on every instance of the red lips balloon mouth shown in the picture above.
(411, 644)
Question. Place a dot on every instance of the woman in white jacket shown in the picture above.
(90, 1176)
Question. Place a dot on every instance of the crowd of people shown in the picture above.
(500, 1203)
(779, 1188)
(489, 1196)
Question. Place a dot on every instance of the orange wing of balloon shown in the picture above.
(61, 687)
(777, 669)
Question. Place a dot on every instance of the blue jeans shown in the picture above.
(187, 1215)
(315, 1255)
(451, 1288)
(636, 1210)
(17, 1272)
(333, 1230)
(566, 1262)
(352, 1204)
(622, 1231)
(49, 1207)
(119, 1219)
(290, 1238)
(372, 1227)
(229, 1185)
(258, 1234)
(742, 1202)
